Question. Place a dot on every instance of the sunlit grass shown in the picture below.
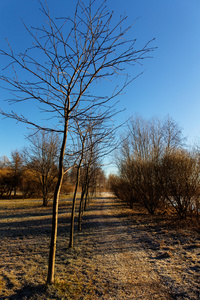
(110, 255)
(31, 202)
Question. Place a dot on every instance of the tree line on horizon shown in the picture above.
(32, 172)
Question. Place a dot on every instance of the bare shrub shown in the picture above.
(180, 180)
(140, 161)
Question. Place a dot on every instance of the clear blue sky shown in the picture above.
(170, 84)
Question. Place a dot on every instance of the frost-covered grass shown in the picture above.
(119, 254)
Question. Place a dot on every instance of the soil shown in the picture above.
(120, 253)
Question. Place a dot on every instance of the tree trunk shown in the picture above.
(45, 200)
(87, 182)
(86, 198)
(44, 194)
(71, 242)
(52, 252)
(81, 209)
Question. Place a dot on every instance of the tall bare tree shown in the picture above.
(69, 55)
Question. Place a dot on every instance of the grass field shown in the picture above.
(119, 254)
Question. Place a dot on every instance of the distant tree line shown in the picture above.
(32, 172)
(155, 169)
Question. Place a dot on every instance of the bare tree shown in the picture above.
(101, 140)
(68, 56)
(90, 135)
(41, 158)
(172, 134)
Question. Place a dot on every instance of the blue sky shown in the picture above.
(170, 84)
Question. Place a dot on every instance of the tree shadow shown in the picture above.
(30, 292)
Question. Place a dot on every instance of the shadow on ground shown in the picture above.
(29, 292)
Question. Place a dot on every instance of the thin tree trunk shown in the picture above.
(86, 199)
(52, 252)
(45, 200)
(81, 209)
(87, 182)
(71, 242)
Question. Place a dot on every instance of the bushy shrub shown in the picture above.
(153, 168)
(181, 181)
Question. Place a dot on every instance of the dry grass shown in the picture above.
(120, 254)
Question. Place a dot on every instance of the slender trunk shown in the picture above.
(71, 242)
(44, 193)
(87, 185)
(9, 192)
(80, 216)
(86, 198)
(81, 209)
(52, 252)
(45, 200)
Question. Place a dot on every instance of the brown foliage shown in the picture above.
(180, 181)
(154, 168)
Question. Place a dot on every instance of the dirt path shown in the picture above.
(119, 254)
(123, 268)
(139, 257)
